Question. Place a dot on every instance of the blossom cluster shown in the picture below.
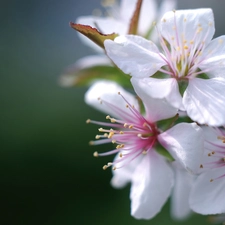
(159, 76)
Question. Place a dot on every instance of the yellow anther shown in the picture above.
(113, 120)
(104, 167)
(88, 121)
(97, 137)
(119, 146)
(95, 154)
(105, 135)
(114, 168)
(109, 164)
(199, 30)
(154, 23)
(101, 130)
(121, 132)
(131, 126)
(113, 141)
(178, 48)
(111, 134)
(91, 142)
(118, 93)
(164, 20)
(186, 47)
(121, 155)
(125, 125)
(221, 138)
(191, 42)
(220, 41)
(144, 152)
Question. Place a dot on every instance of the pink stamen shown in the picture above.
(133, 138)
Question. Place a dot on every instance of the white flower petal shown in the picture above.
(208, 197)
(122, 176)
(180, 208)
(185, 143)
(134, 55)
(156, 108)
(159, 89)
(211, 135)
(151, 186)
(214, 58)
(92, 60)
(192, 26)
(205, 102)
(108, 91)
(165, 6)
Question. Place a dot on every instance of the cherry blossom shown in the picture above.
(136, 137)
(192, 64)
(183, 182)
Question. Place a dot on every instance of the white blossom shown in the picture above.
(136, 137)
(187, 53)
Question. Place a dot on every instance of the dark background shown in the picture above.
(47, 172)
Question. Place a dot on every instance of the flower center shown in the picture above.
(133, 135)
(183, 52)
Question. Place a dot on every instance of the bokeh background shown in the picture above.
(48, 175)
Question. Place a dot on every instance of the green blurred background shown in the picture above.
(47, 172)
